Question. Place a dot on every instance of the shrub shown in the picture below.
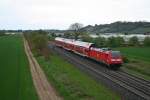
(111, 42)
(146, 41)
(119, 41)
(125, 59)
(134, 41)
(2, 33)
(38, 41)
(87, 38)
(100, 41)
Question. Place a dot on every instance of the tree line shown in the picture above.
(116, 41)
(2, 33)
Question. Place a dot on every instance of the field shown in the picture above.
(139, 60)
(73, 84)
(141, 53)
(15, 78)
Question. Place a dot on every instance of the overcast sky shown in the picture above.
(59, 14)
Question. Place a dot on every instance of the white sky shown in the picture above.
(59, 14)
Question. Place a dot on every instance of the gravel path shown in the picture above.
(44, 89)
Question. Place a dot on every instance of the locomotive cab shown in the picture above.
(115, 59)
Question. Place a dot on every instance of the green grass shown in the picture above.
(139, 60)
(71, 83)
(141, 53)
(15, 78)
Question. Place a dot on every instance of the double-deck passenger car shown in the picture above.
(111, 58)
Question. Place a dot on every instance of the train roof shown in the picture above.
(83, 44)
(64, 40)
(74, 42)
(59, 39)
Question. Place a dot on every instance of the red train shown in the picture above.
(111, 58)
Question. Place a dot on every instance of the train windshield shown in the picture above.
(115, 54)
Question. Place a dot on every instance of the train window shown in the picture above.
(115, 54)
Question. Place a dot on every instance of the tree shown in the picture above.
(111, 42)
(100, 42)
(2, 32)
(41, 32)
(119, 41)
(133, 41)
(75, 27)
(87, 38)
(68, 35)
(53, 34)
(146, 41)
(39, 41)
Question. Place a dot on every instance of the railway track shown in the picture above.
(135, 85)
(136, 78)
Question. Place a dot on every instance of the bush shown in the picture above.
(100, 42)
(125, 59)
(2, 33)
(38, 41)
(87, 38)
(146, 41)
(119, 41)
(111, 42)
(134, 41)
(68, 35)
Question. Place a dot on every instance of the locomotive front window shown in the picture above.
(115, 54)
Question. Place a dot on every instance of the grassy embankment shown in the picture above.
(15, 78)
(139, 60)
(73, 84)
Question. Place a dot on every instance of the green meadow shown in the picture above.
(15, 78)
(140, 53)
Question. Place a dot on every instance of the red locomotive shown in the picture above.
(111, 58)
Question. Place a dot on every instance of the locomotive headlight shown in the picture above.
(115, 59)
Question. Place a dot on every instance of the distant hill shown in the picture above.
(116, 27)
(119, 27)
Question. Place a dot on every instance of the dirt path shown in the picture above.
(44, 89)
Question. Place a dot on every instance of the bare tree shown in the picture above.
(75, 27)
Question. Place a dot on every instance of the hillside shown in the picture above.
(116, 27)
(119, 27)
